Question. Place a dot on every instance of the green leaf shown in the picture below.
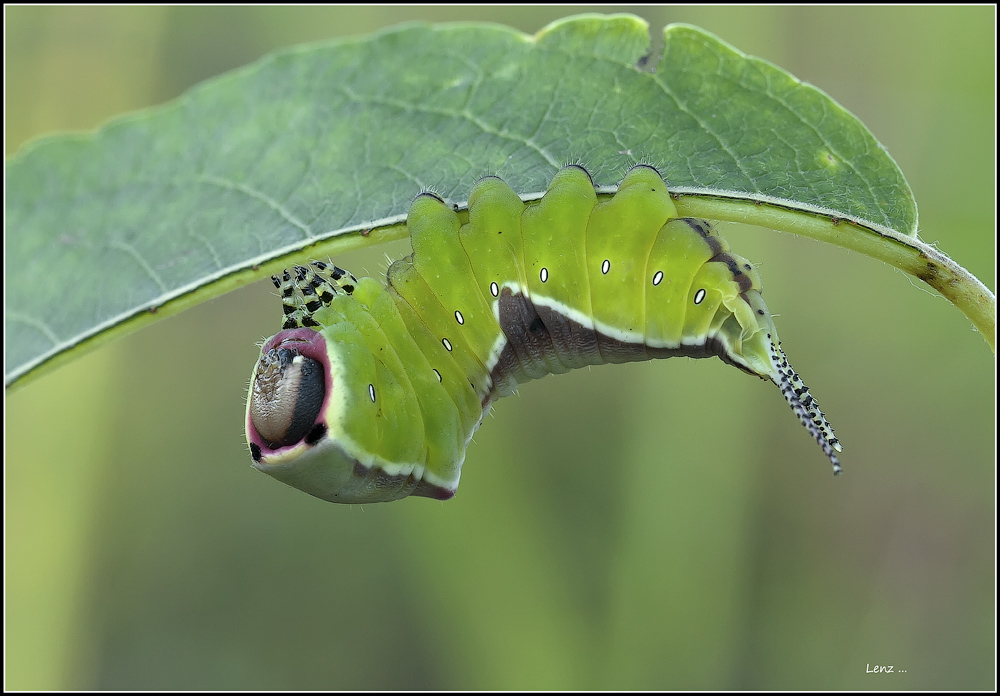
(320, 148)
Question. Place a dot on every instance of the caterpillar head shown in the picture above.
(287, 394)
(289, 398)
(294, 426)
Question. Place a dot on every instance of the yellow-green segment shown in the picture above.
(519, 291)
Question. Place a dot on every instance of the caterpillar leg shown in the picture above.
(804, 406)
(306, 289)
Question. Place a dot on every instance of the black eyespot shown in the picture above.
(317, 433)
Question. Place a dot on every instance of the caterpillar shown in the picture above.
(371, 392)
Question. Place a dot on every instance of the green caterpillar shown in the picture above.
(371, 392)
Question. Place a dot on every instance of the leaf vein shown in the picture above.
(34, 323)
(260, 196)
(134, 253)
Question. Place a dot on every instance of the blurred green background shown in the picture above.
(665, 525)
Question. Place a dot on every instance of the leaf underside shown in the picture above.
(176, 204)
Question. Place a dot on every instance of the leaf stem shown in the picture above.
(905, 252)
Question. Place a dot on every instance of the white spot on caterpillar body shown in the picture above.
(605, 267)
(447, 343)
(658, 278)
(544, 275)
(699, 296)
(459, 318)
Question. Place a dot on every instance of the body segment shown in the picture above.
(520, 291)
